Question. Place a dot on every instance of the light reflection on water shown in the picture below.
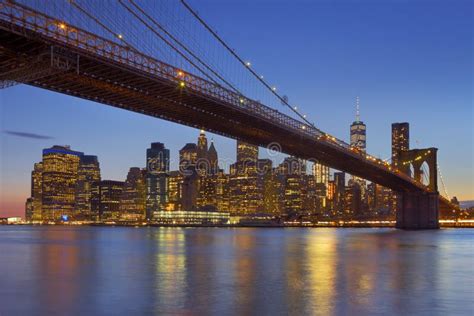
(244, 271)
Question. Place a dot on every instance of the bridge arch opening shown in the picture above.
(425, 173)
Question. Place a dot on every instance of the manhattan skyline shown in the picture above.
(411, 74)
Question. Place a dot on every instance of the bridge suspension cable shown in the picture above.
(177, 41)
(121, 38)
(247, 65)
(442, 183)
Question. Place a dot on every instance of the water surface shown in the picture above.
(237, 271)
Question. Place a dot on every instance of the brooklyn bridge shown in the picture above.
(128, 55)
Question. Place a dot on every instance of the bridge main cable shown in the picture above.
(259, 78)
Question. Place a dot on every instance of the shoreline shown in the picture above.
(256, 225)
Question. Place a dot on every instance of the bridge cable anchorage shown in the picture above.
(246, 64)
(159, 26)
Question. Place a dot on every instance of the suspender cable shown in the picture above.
(169, 43)
(183, 46)
(92, 17)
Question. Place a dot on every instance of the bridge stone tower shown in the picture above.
(419, 209)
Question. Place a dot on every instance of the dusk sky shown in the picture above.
(407, 60)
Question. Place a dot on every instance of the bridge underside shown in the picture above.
(29, 58)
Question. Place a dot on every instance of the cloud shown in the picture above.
(27, 135)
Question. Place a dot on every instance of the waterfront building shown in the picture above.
(133, 197)
(293, 170)
(192, 218)
(59, 180)
(245, 189)
(353, 199)
(222, 191)
(106, 196)
(175, 191)
(339, 193)
(36, 192)
(29, 209)
(157, 161)
(207, 196)
(321, 181)
(273, 194)
(88, 173)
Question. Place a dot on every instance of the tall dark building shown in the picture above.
(37, 192)
(339, 191)
(400, 140)
(158, 166)
(133, 198)
(353, 199)
(106, 199)
(188, 156)
(88, 173)
(213, 159)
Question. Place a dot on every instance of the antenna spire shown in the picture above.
(357, 109)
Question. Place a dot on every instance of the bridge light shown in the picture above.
(241, 100)
(182, 84)
(274, 88)
(261, 77)
(248, 64)
(180, 74)
(303, 127)
(62, 26)
(296, 108)
(120, 36)
(304, 115)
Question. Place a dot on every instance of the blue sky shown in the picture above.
(407, 60)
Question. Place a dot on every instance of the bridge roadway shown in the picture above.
(41, 51)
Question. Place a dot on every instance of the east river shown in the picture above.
(58, 270)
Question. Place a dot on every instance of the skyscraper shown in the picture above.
(358, 131)
(158, 165)
(246, 152)
(292, 171)
(321, 173)
(133, 198)
(245, 191)
(202, 146)
(400, 140)
(88, 173)
(59, 180)
(188, 156)
(339, 191)
(175, 191)
(37, 191)
(106, 196)
(213, 159)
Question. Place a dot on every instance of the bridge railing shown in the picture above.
(20, 17)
